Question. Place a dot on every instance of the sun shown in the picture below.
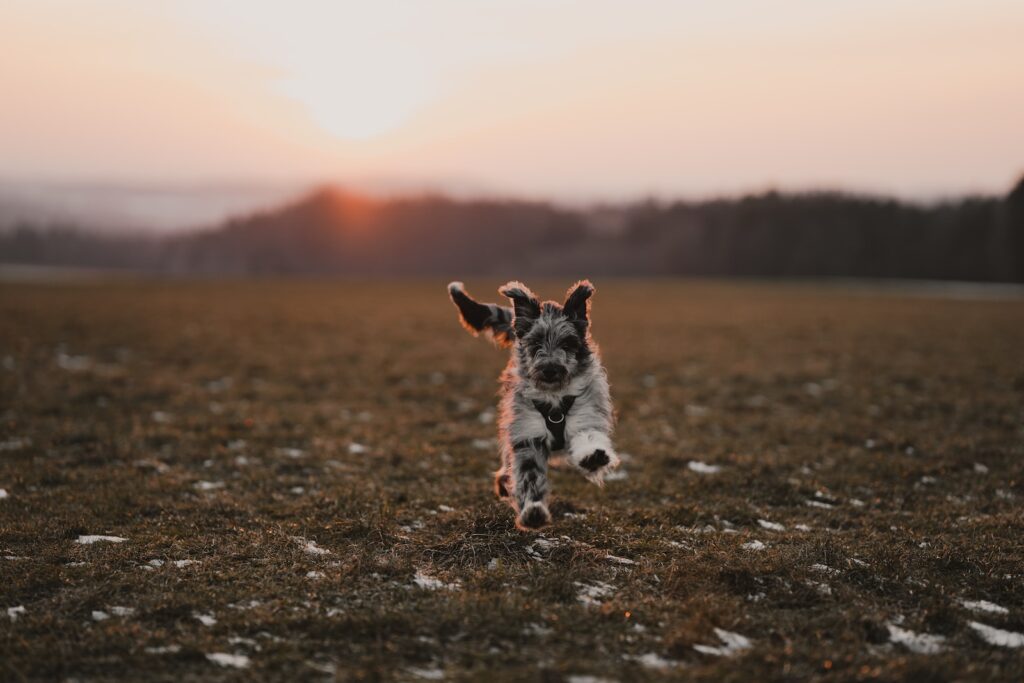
(359, 105)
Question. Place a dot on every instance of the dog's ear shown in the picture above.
(524, 304)
(577, 301)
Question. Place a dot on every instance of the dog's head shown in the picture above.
(552, 340)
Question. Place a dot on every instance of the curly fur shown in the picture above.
(552, 355)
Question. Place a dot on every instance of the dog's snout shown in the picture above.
(552, 372)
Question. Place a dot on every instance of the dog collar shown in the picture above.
(554, 418)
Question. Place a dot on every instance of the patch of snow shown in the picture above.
(428, 582)
(856, 502)
(14, 612)
(160, 417)
(208, 485)
(483, 444)
(703, 467)
(486, 417)
(693, 410)
(314, 574)
(433, 674)
(652, 660)
(297, 490)
(732, 643)
(155, 563)
(88, 540)
(118, 611)
(163, 649)
(591, 594)
(358, 448)
(293, 453)
(773, 526)
(921, 643)
(801, 527)
(184, 563)
(619, 560)
(205, 619)
(14, 444)
(493, 564)
(984, 606)
(229, 660)
(310, 546)
(583, 678)
(534, 629)
(997, 636)
(822, 588)
(99, 615)
(754, 546)
(980, 469)
(445, 508)
(819, 504)
(73, 363)
(3, 493)
(824, 568)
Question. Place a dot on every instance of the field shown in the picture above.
(823, 484)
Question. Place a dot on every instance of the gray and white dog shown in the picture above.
(554, 393)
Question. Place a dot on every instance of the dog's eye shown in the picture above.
(570, 346)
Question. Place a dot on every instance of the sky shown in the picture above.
(562, 99)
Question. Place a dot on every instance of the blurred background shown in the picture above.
(562, 138)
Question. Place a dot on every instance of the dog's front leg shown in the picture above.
(530, 489)
(591, 451)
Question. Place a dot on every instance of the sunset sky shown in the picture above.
(563, 99)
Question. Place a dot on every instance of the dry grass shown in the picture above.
(904, 415)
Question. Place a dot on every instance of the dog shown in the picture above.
(554, 392)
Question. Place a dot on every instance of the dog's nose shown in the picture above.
(550, 373)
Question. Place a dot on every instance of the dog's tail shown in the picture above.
(493, 320)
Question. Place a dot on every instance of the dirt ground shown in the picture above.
(820, 484)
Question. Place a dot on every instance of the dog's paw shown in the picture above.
(533, 516)
(592, 453)
(595, 460)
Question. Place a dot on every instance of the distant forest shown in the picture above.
(786, 235)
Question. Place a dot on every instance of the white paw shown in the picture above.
(592, 453)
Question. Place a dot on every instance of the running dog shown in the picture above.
(554, 393)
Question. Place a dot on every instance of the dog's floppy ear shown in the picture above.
(524, 304)
(577, 301)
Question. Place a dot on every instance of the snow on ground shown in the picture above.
(293, 453)
(984, 606)
(208, 485)
(14, 612)
(88, 540)
(432, 674)
(825, 569)
(591, 593)
(619, 560)
(3, 493)
(484, 444)
(358, 448)
(310, 546)
(997, 636)
(229, 660)
(652, 660)
(732, 643)
(163, 649)
(771, 526)
(587, 679)
(819, 504)
(921, 643)
(428, 582)
(205, 619)
(616, 475)
(754, 546)
(703, 467)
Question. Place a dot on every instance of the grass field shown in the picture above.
(302, 474)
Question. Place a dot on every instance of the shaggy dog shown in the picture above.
(554, 393)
